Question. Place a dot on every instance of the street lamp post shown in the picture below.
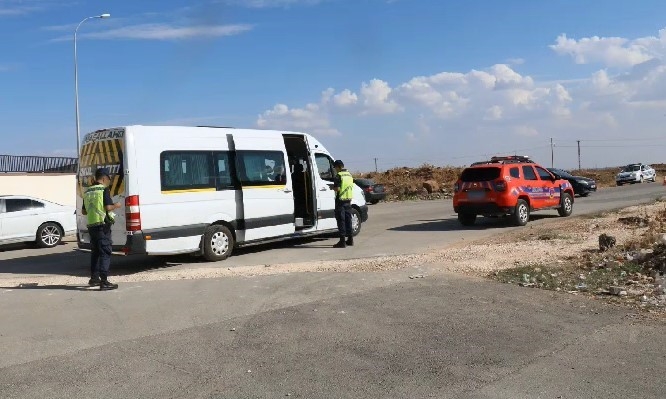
(76, 82)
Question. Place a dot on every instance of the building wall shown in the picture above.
(58, 188)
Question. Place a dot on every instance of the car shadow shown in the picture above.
(482, 223)
(26, 245)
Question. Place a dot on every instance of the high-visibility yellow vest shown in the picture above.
(93, 200)
(346, 186)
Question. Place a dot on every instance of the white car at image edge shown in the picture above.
(27, 219)
(636, 173)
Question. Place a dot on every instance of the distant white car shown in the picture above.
(636, 173)
(27, 219)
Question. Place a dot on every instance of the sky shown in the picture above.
(399, 82)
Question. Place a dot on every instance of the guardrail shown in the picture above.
(37, 164)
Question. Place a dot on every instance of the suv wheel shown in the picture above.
(467, 219)
(522, 213)
(566, 207)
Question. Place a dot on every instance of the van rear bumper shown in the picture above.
(134, 245)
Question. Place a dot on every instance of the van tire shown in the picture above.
(218, 243)
(355, 214)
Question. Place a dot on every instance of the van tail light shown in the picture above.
(132, 213)
(500, 185)
(456, 187)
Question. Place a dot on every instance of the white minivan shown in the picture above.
(207, 190)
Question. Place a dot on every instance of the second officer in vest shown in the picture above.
(344, 188)
(99, 207)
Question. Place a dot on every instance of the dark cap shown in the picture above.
(101, 172)
(339, 164)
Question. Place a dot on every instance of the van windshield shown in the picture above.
(480, 174)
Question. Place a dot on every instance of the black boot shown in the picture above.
(350, 241)
(341, 243)
(106, 285)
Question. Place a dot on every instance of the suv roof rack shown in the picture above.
(506, 159)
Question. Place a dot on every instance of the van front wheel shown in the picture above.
(356, 222)
(218, 242)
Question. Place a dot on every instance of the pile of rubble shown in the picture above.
(647, 284)
(426, 182)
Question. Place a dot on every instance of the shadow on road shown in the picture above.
(35, 286)
(482, 223)
(77, 264)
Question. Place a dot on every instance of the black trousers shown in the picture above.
(343, 215)
(101, 246)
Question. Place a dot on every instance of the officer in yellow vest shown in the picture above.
(98, 207)
(343, 184)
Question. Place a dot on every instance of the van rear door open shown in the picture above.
(103, 149)
(268, 202)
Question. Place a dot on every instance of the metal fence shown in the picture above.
(35, 164)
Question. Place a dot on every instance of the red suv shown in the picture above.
(511, 185)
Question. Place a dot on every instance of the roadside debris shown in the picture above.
(631, 272)
(606, 242)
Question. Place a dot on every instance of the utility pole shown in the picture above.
(578, 154)
(552, 154)
(376, 169)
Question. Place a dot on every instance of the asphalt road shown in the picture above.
(393, 229)
(327, 335)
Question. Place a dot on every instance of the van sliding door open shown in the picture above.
(267, 194)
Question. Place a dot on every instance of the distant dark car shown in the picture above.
(582, 186)
(373, 192)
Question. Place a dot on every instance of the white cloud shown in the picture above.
(270, 3)
(14, 8)
(497, 109)
(376, 98)
(612, 51)
(308, 119)
(159, 31)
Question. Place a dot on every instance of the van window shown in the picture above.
(261, 168)
(325, 167)
(185, 170)
(528, 173)
(480, 174)
(225, 171)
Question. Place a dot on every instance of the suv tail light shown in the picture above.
(132, 213)
(500, 185)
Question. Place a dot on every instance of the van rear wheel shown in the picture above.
(218, 243)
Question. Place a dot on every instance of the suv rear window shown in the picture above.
(480, 174)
